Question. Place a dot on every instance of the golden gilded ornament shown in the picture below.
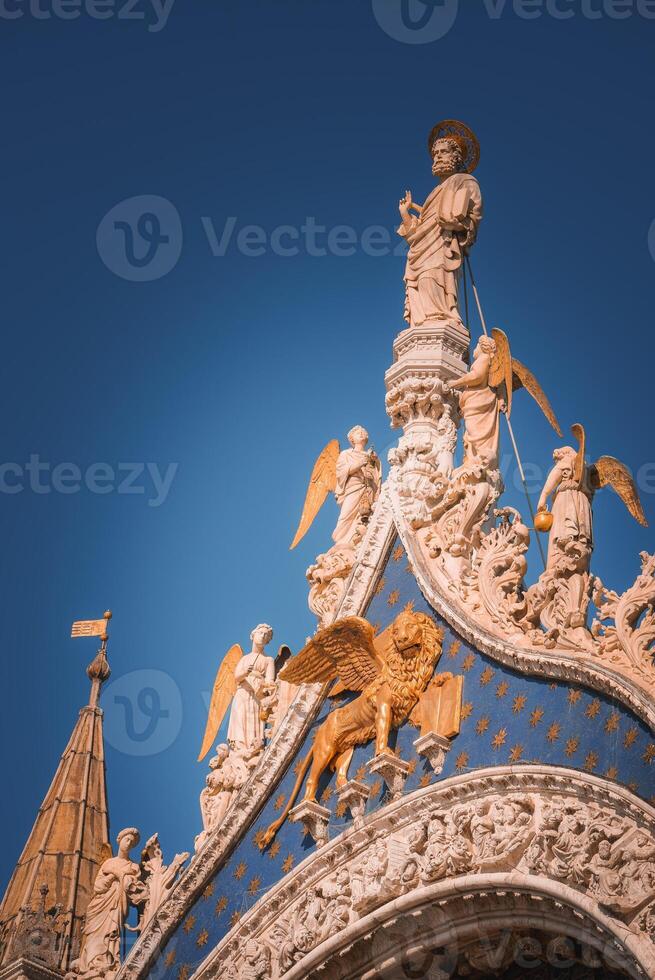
(392, 671)
(322, 482)
(512, 375)
(465, 138)
(543, 521)
(608, 471)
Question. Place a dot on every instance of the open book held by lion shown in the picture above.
(392, 671)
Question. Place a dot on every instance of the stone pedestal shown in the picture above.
(393, 771)
(354, 795)
(314, 818)
(426, 358)
(434, 748)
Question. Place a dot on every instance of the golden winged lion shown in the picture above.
(391, 672)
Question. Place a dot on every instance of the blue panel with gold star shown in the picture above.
(507, 717)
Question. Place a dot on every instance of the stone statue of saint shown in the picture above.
(116, 888)
(445, 228)
(254, 672)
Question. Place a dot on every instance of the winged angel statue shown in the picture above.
(487, 390)
(354, 476)
(573, 484)
(391, 672)
(247, 682)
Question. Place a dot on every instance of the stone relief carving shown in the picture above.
(327, 579)
(229, 770)
(425, 453)
(493, 588)
(557, 824)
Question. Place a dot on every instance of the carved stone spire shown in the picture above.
(43, 908)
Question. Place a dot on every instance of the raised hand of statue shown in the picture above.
(404, 206)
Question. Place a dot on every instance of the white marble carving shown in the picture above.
(117, 887)
(439, 237)
(505, 824)
(159, 878)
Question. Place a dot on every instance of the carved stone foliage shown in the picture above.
(629, 641)
(159, 878)
(555, 825)
(425, 453)
(493, 588)
(560, 599)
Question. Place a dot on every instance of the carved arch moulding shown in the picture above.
(529, 847)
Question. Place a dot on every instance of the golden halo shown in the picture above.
(464, 136)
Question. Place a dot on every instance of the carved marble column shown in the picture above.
(425, 357)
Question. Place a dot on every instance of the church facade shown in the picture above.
(454, 778)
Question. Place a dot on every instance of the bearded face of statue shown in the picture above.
(446, 158)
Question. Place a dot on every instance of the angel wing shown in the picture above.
(578, 431)
(224, 690)
(500, 371)
(322, 481)
(522, 377)
(610, 471)
(345, 650)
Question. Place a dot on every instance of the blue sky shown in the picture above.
(230, 372)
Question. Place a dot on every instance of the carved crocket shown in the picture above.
(391, 671)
